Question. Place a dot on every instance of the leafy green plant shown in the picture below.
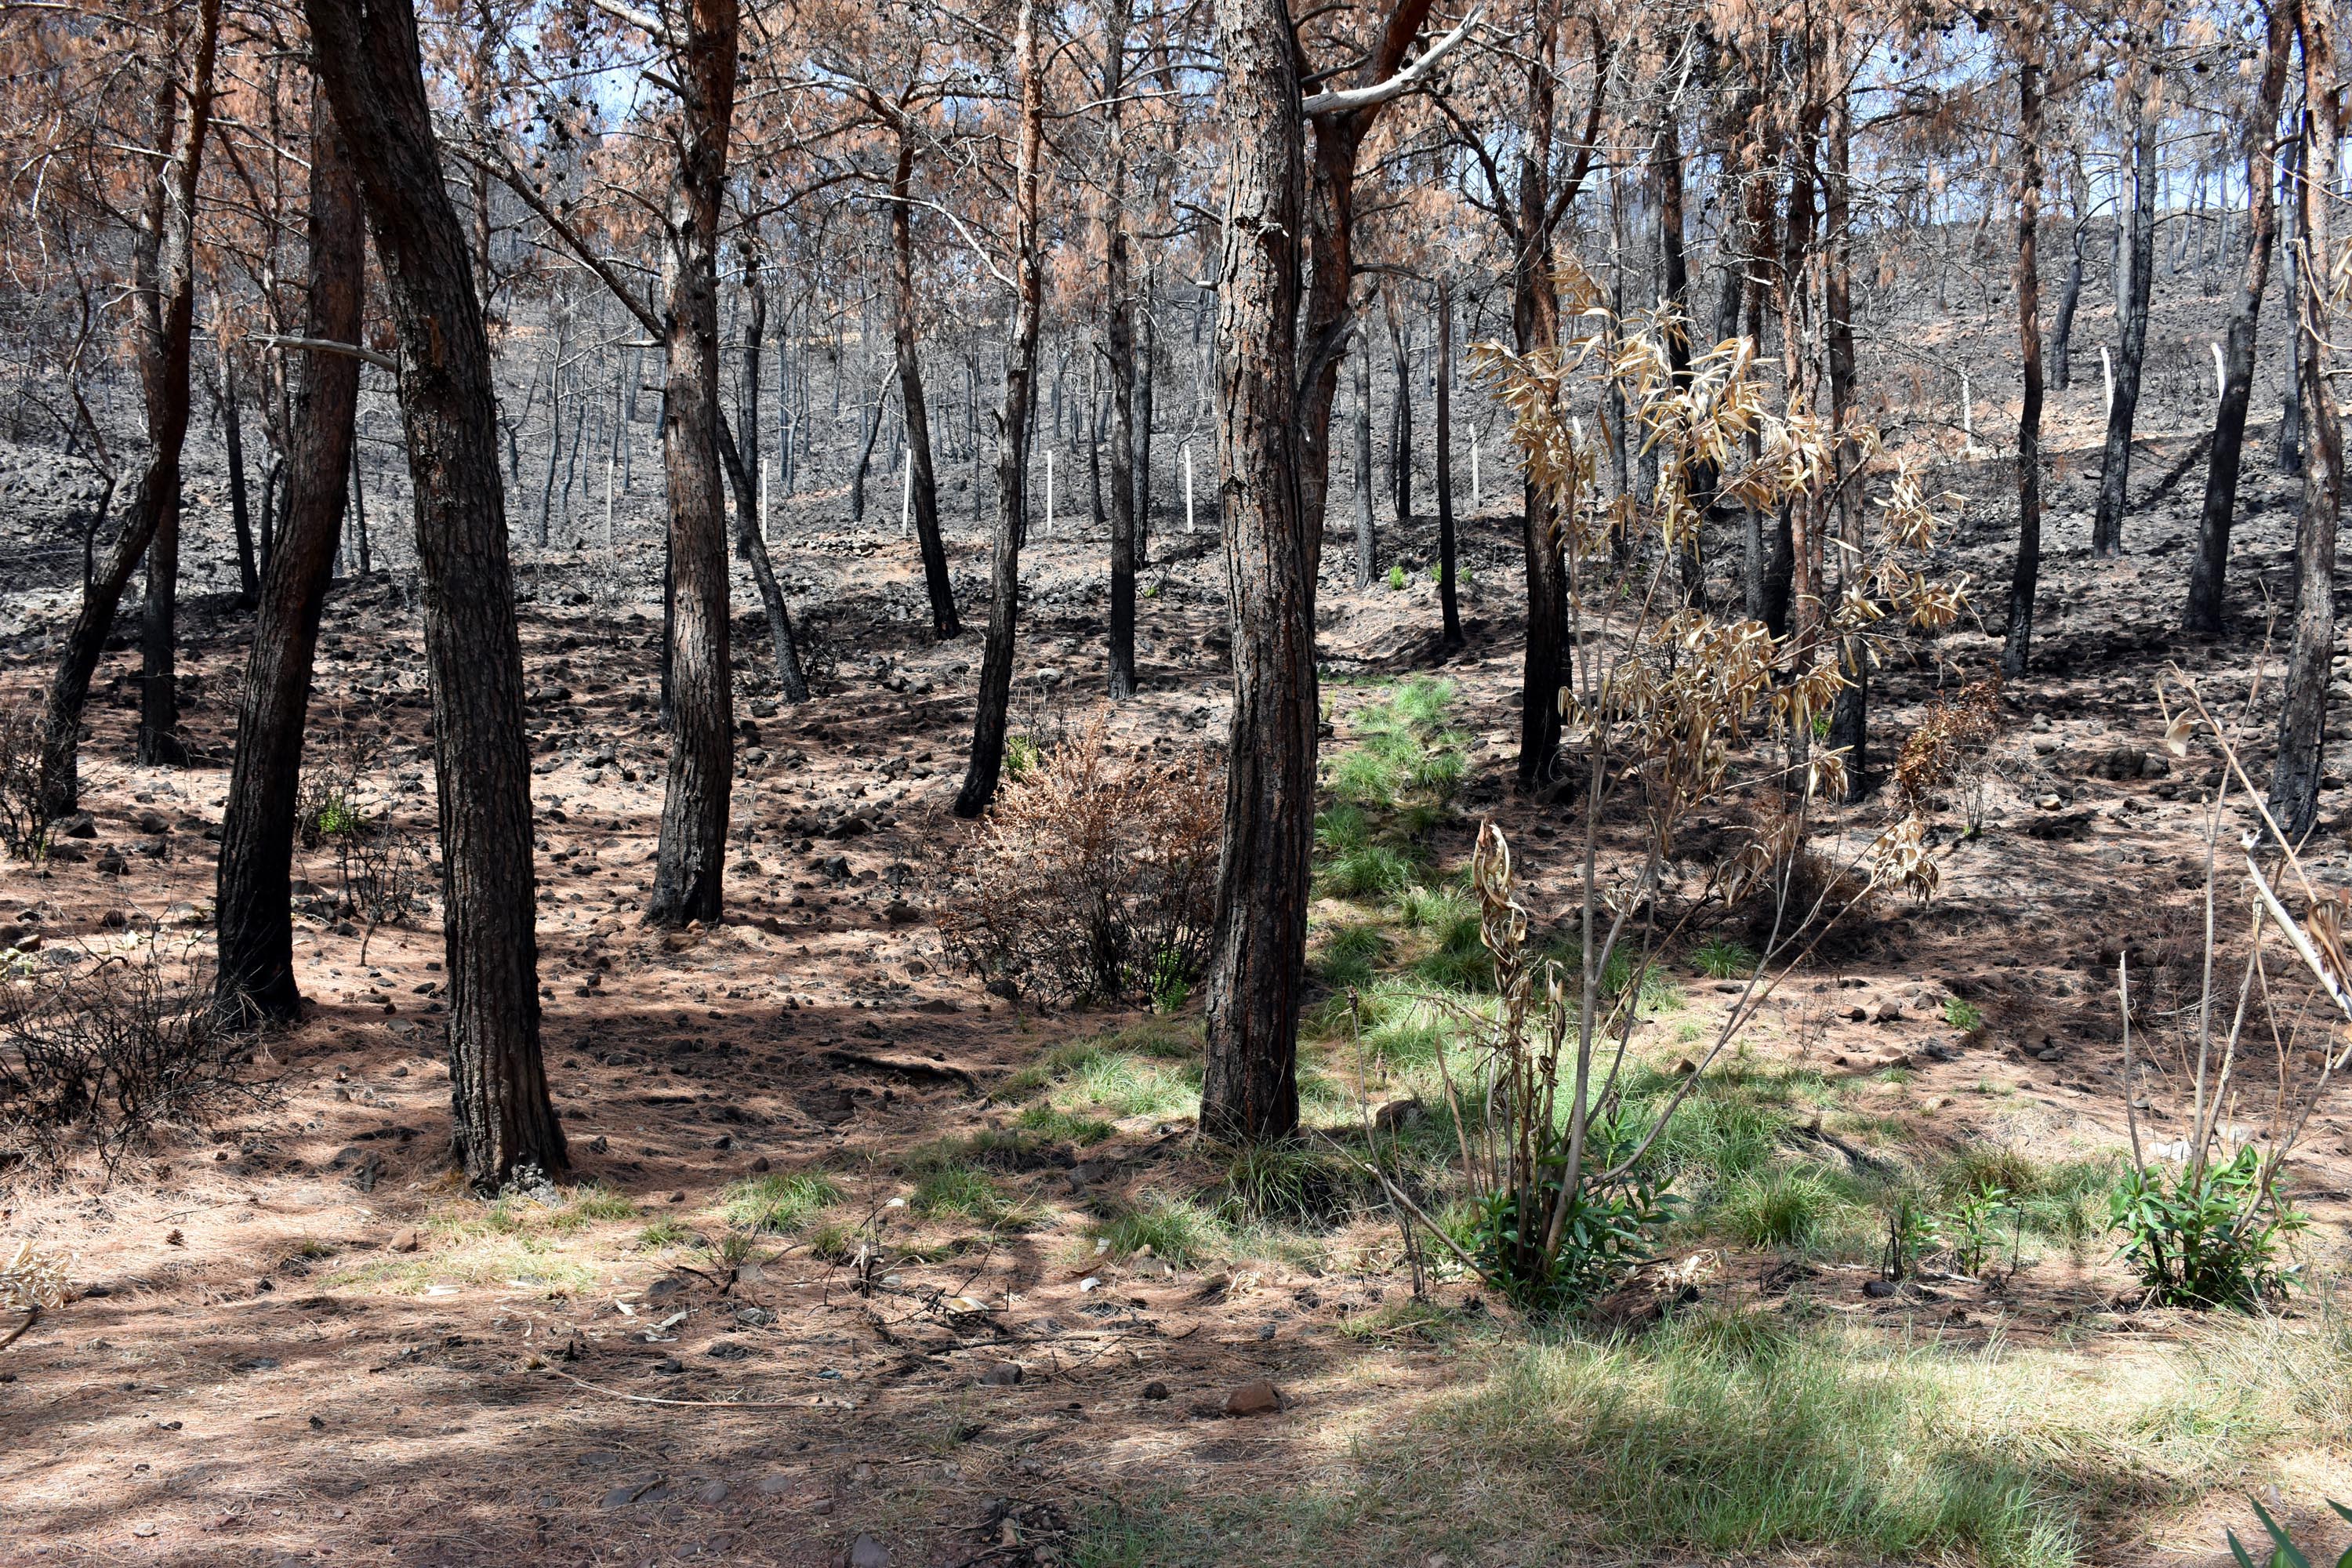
(2284, 1552)
(1171, 983)
(1603, 1229)
(2209, 1236)
(1962, 1016)
(1396, 578)
(1912, 1231)
(1973, 1221)
(1020, 756)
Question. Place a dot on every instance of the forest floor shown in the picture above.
(294, 1338)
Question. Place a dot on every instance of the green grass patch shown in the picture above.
(1175, 1228)
(778, 1202)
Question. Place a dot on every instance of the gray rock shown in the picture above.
(867, 1553)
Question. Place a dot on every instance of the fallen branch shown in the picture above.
(909, 1065)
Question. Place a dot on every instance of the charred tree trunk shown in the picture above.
(1535, 326)
(164, 273)
(1257, 950)
(2025, 574)
(2061, 331)
(2115, 469)
(2208, 573)
(368, 60)
(690, 858)
(994, 708)
(1400, 406)
(1368, 536)
(240, 512)
(255, 926)
(743, 472)
(1850, 716)
(924, 482)
(1674, 263)
(2302, 708)
(1118, 334)
(1448, 597)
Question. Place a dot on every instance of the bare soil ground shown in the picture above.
(294, 1339)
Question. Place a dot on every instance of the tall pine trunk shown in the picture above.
(923, 482)
(1448, 595)
(2114, 467)
(691, 858)
(1257, 950)
(2302, 708)
(255, 925)
(165, 280)
(366, 55)
(993, 711)
(1119, 344)
(2025, 573)
(2208, 573)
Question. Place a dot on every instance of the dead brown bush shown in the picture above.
(103, 1055)
(1094, 876)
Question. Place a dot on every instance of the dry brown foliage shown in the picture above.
(1094, 876)
(1948, 748)
(104, 1055)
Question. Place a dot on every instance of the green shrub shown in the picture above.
(2284, 1552)
(2209, 1236)
(1396, 577)
(1962, 1016)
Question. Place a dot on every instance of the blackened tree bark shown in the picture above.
(240, 512)
(366, 57)
(1118, 345)
(790, 677)
(1368, 535)
(925, 483)
(1448, 597)
(2025, 573)
(2062, 328)
(2115, 469)
(255, 925)
(994, 706)
(742, 464)
(1850, 716)
(2302, 708)
(2208, 573)
(1400, 409)
(690, 858)
(1257, 950)
(165, 293)
(2290, 437)
(1674, 260)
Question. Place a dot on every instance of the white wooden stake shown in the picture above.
(1188, 487)
(2221, 381)
(611, 462)
(765, 537)
(1049, 495)
(2107, 364)
(906, 495)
